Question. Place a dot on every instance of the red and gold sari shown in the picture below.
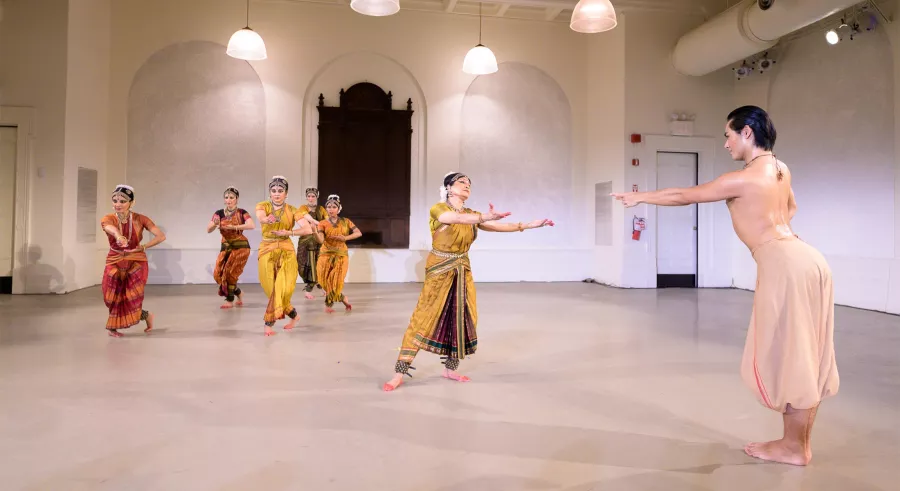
(233, 254)
(126, 273)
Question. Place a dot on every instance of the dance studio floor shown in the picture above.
(574, 387)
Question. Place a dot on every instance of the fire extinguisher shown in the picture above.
(638, 225)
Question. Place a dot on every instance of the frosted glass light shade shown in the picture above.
(375, 8)
(480, 60)
(246, 44)
(592, 16)
(832, 37)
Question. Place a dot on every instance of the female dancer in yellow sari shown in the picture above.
(445, 317)
(231, 222)
(308, 246)
(277, 259)
(126, 269)
(334, 261)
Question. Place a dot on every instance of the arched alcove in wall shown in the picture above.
(347, 70)
(516, 144)
(833, 109)
(196, 124)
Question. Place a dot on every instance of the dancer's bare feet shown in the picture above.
(269, 331)
(329, 310)
(454, 376)
(149, 322)
(227, 305)
(393, 383)
(309, 296)
(240, 299)
(290, 325)
(783, 451)
(114, 333)
(346, 302)
(794, 447)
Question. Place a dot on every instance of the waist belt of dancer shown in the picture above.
(452, 261)
(333, 251)
(308, 240)
(455, 255)
(235, 244)
(115, 256)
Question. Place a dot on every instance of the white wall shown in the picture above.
(303, 43)
(654, 90)
(86, 130)
(605, 142)
(33, 69)
(834, 109)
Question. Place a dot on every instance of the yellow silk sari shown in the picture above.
(277, 261)
(445, 317)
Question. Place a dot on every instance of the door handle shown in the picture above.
(695, 227)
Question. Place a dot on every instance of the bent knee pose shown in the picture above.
(444, 321)
(125, 275)
(235, 250)
(788, 360)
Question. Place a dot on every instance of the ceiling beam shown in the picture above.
(502, 10)
(552, 13)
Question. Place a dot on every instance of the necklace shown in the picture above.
(123, 223)
(758, 156)
(458, 210)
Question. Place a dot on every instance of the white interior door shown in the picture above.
(7, 197)
(676, 246)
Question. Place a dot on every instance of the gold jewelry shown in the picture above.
(520, 227)
(480, 218)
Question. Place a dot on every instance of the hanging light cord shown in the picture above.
(248, 14)
(479, 22)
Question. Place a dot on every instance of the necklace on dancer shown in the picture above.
(758, 156)
(458, 210)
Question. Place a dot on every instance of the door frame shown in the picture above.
(23, 119)
(705, 148)
(696, 176)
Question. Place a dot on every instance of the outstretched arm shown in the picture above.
(452, 217)
(515, 227)
(723, 187)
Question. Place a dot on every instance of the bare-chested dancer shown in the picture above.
(788, 360)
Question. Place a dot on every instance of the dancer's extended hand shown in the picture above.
(282, 233)
(271, 219)
(546, 222)
(122, 241)
(494, 215)
(627, 199)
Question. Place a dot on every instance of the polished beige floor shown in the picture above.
(575, 387)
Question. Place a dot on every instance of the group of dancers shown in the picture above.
(788, 360)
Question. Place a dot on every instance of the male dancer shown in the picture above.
(788, 359)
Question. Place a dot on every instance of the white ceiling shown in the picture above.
(547, 10)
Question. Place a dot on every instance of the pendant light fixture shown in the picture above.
(375, 8)
(480, 60)
(246, 44)
(591, 16)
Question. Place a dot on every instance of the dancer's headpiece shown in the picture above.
(278, 181)
(449, 180)
(124, 191)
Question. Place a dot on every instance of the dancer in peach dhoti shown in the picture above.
(789, 360)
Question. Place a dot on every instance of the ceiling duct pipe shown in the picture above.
(747, 29)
